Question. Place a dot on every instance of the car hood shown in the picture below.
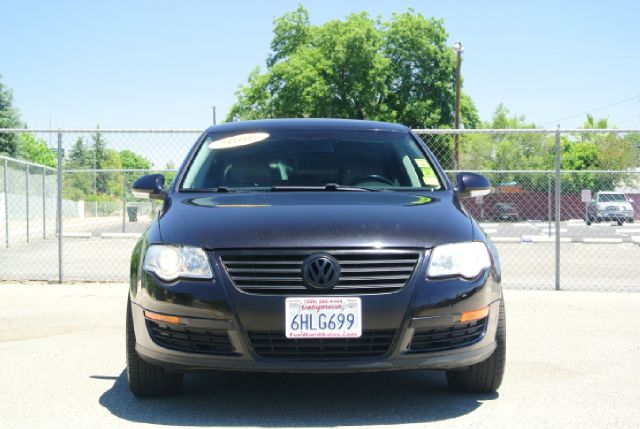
(314, 219)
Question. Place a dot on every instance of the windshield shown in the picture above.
(606, 198)
(310, 158)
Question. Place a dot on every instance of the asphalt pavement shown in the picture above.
(576, 231)
(572, 361)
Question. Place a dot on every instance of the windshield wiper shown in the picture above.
(339, 187)
(327, 187)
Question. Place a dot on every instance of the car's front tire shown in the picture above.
(145, 379)
(485, 376)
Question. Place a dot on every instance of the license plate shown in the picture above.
(323, 317)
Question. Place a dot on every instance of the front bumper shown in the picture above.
(614, 215)
(220, 307)
(399, 357)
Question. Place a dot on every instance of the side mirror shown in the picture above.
(150, 186)
(471, 185)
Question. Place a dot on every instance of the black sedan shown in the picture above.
(313, 245)
(505, 212)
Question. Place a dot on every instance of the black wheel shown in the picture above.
(485, 376)
(620, 222)
(145, 379)
(589, 221)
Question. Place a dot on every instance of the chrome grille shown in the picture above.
(280, 271)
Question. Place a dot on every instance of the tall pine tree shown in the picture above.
(9, 118)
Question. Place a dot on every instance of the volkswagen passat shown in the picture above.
(313, 246)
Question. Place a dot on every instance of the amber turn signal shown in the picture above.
(468, 316)
(173, 320)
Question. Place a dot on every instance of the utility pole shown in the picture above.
(213, 108)
(459, 48)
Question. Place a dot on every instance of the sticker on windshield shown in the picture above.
(239, 140)
(421, 162)
(429, 177)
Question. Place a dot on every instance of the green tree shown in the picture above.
(401, 70)
(290, 32)
(507, 151)
(36, 150)
(99, 147)
(79, 155)
(111, 182)
(579, 155)
(103, 160)
(78, 184)
(132, 161)
(9, 118)
(169, 175)
(598, 151)
(634, 138)
(592, 123)
(422, 71)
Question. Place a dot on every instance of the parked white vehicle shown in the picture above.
(610, 206)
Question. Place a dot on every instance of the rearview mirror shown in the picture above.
(471, 185)
(149, 186)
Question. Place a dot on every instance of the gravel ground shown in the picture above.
(573, 360)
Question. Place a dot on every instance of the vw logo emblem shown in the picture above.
(321, 271)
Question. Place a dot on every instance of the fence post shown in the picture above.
(44, 203)
(59, 201)
(558, 191)
(549, 204)
(124, 200)
(27, 199)
(6, 203)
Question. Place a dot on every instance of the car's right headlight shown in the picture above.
(459, 259)
(170, 262)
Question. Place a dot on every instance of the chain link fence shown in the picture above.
(536, 215)
(537, 212)
(27, 201)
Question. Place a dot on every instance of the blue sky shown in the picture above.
(165, 63)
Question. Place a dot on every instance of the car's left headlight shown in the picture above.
(459, 259)
(170, 262)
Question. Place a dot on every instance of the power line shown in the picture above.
(593, 110)
(574, 54)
